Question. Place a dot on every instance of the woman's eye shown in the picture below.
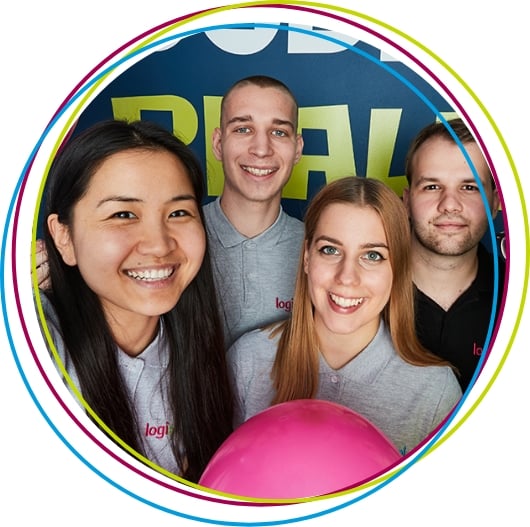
(179, 213)
(328, 249)
(373, 256)
(124, 215)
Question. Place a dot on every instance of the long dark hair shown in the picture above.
(199, 390)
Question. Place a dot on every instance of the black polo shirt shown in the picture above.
(459, 334)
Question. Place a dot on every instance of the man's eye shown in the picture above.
(279, 133)
(242, 130)
(431, 187)
(470, 188)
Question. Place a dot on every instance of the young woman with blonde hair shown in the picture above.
(351, 337)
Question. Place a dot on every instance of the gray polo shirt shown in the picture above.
(254, 276)
(405, 402)
(146, 382)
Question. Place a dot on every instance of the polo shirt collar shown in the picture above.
(367, 365)
(229, 236)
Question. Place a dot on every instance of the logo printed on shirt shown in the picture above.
(286, 305)
(477, 350)
(158, 431)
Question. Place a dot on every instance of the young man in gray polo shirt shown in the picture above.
(254, 244)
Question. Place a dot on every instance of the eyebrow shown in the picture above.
(248, 118)
(130, 199)
(368, 245)
(427, 179)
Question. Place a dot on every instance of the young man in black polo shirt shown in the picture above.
(453, 272)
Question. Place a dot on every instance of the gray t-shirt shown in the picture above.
(405, 402)
(254, 276)
(144, 377)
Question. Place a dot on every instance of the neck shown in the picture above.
(250, 218)
(339, 349)
(134, 336)
(443, 278)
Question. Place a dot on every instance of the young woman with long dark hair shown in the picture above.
(132, 307)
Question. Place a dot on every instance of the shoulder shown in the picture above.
(53, 325)
(292, 228)
(49, 311)
(209, 211)
(292, 222)
(210, 206)
(486, 268)
(440, 382)
(425, 379)
(443, 390)
(255, 346)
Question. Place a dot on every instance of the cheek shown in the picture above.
(478, 211)
(193, 243)
(290, 156)
(420, 208)
(318, 276)
(384, 284)
(424, 201)
(100, 252)
(228, 150)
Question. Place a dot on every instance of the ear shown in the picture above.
(60, 233)
(299, 148)
(406, 198)
(495, 203)
(306, 257)
(216, 144)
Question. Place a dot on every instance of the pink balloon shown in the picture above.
(299, 449)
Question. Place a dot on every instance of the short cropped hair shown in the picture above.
(439, 130)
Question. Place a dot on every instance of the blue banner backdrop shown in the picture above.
(359, 108)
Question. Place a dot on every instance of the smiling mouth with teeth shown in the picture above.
(260, 172)
(346, 302)
(151, 275)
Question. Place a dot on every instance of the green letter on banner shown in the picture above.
(339, 161)
(214, 168)
(184, 116)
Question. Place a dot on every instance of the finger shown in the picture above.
(43, 273)
(41, 255)
(41, 258)
(45, 284)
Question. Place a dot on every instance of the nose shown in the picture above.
(260, 144)
(156, 239)
(348, 272)
(449, 202)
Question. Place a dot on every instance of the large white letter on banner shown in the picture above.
(242, 41)
(305, 43)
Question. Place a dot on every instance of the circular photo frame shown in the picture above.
(364, 90)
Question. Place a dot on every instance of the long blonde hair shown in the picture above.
(295, 369)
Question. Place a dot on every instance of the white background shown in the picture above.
(47, 48)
